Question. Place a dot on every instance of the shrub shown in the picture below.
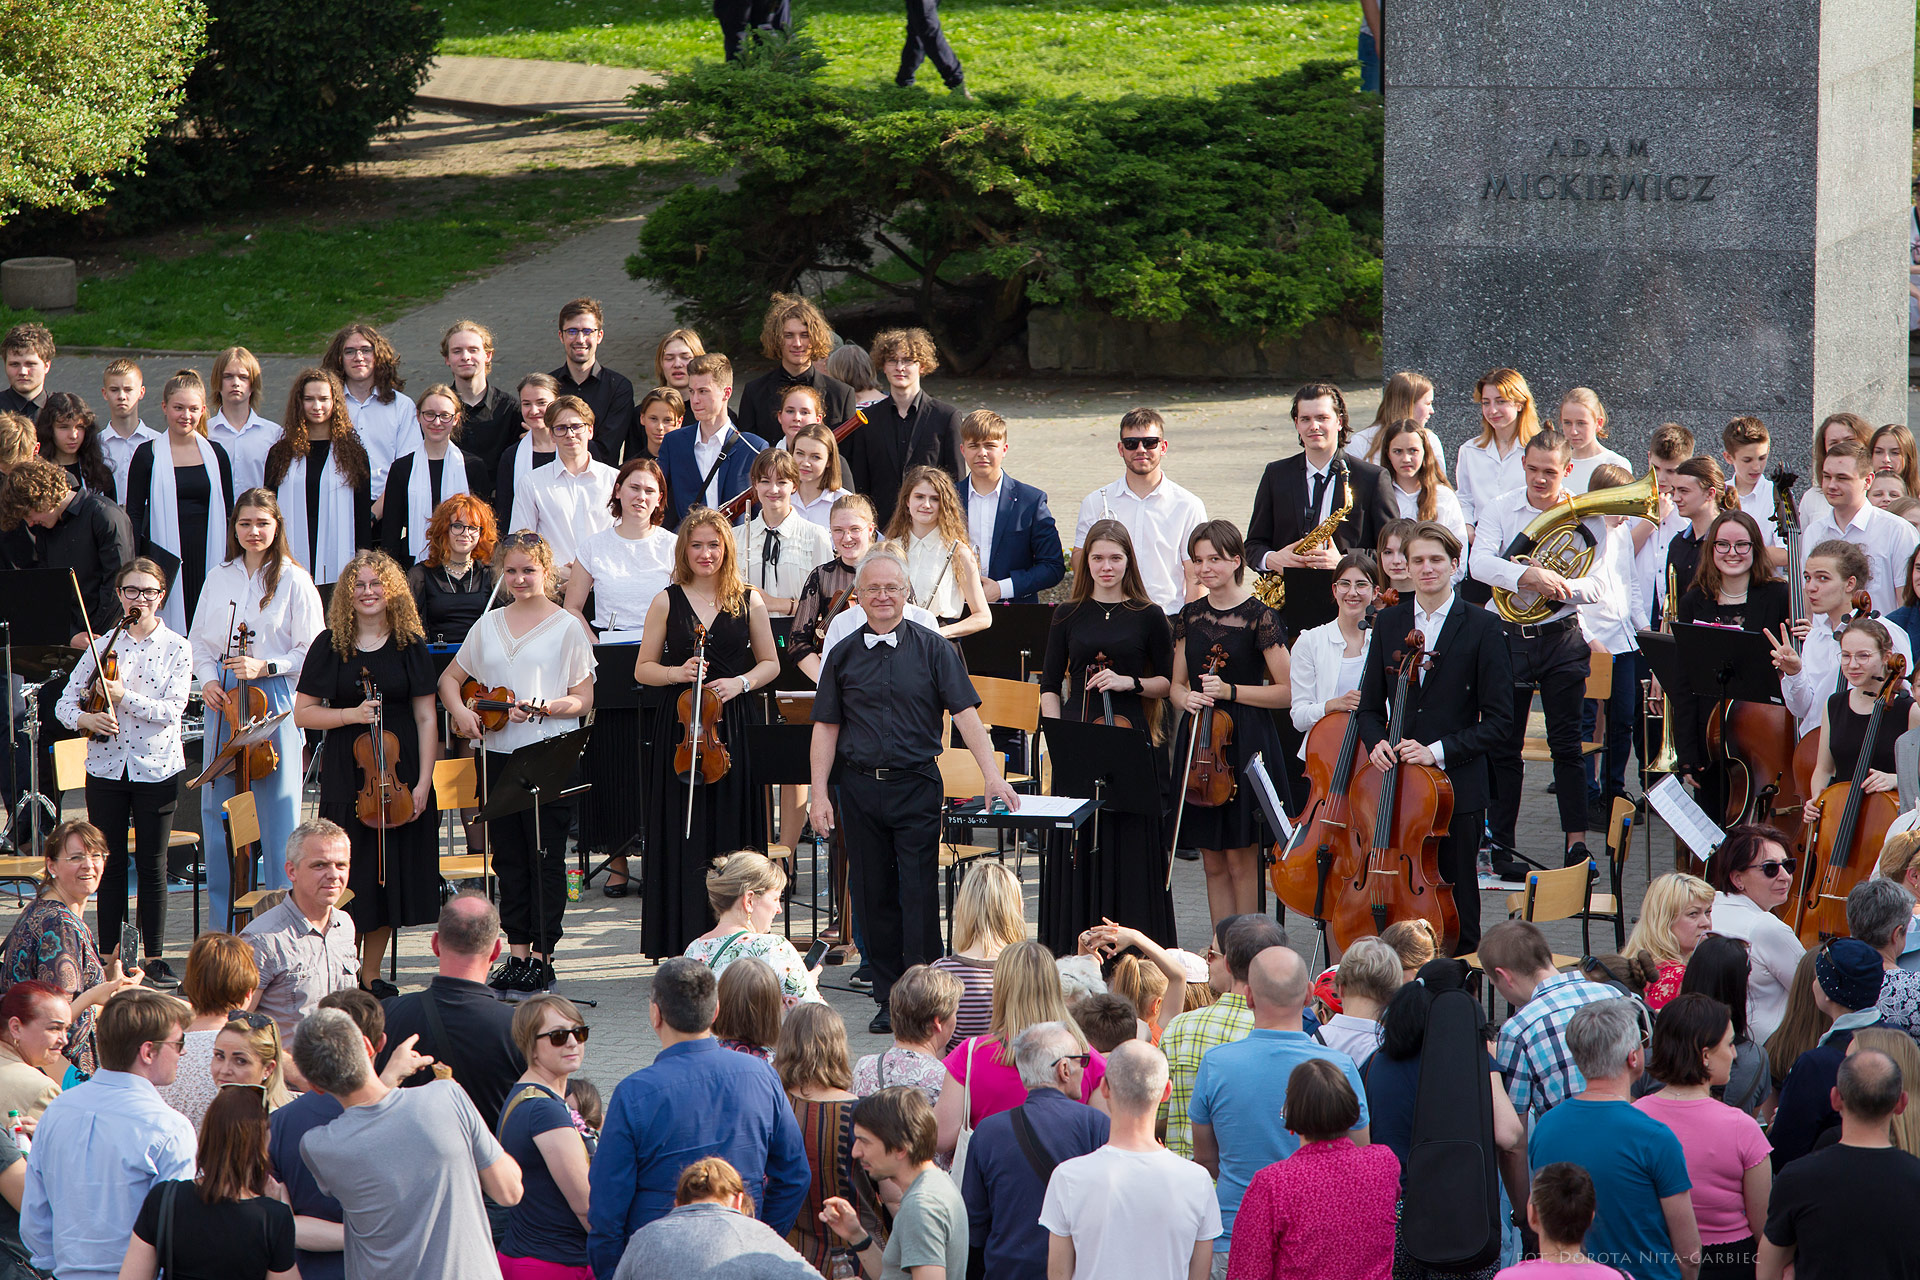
(1254, 211)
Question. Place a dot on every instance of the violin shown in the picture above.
(493, 705)
(1398, 818)
(106, 667)
(736, 506)
(1843, 853)
(700, 756)
(1100, 662)
(247, 704)
(1300, 879)
(384, 801)
(1210, 778)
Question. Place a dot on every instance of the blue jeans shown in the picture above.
(276, 798)
(1369, 55)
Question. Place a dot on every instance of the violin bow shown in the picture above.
(93, 647)
(693, 725)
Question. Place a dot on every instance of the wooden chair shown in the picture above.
(242, 822)
(960, 779)
(1550, 895)
(70, 771)
(1011, 704)
(1609, 905)
(1599, 687)
(456, 786)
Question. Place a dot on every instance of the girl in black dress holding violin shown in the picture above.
(705, 610)
(1866, 648)
(374, 645)
(1111, 646)
(1233, 658)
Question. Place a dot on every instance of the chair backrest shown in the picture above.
(1619, 831)
(456, 784)
(1557, 895)
(243, 819)
(960, 775)
(1008, 704)
(1599, 676)
(794, 710)
(70, 763)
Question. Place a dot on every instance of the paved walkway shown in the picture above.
(524, 86)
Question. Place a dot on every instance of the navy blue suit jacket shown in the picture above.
(1026, 542)
(684, 474)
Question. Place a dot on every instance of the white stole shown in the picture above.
(334, 547)
(163, 518)
(420, 505)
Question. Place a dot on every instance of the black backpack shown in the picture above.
(1450, 1212)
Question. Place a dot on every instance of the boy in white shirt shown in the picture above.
(122, 387)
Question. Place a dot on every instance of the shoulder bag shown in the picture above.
(966, 1117)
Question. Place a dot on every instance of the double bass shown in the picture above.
(1398, 819)
(1842, 850)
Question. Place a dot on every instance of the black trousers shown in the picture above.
(114, 804)
(892, 828)
(531, 868)
(1556, 663)
(737, 17)
(1460, 867)
(926, 40)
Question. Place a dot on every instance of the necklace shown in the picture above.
(457, 581)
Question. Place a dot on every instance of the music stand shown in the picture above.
(1115, 766)
(1013, 646)
(34, 641)
(1663, 658)
(536, 773)
(250, 734)
(1726, 664)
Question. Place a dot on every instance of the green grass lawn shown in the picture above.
(1101, 48)
(282, 284)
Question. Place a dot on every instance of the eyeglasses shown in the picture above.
(463, 528)
(559, 1035)
(1134, 443)
(439, 417)
(1733, 548)
(883, 591)
(178, 1046)
(142, 593)
(1772, 868)
(1212, 953)
(568, 429)
(578, 333)
(1082, 1058)
(356, 351)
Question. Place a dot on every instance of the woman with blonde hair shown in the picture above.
(813, 1064)
(546, 1235)
(745, 889)
(370, 673)
(1414, 941)
(981, 1078)
(930, 524)
(1675, 914)
(1489, 464)
(1802, 1025)
(1583, 421)
(1892, 449)
(179, 491)
(1899, 1046)
(671, 356)
(1407, 395)
(543, 655)
(420, 480)
(1900, 863)
(247, 1053)
(705, 614)
(816, 460)
(989, 915)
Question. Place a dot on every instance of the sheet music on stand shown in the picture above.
(1269, 800)
(1688, 820)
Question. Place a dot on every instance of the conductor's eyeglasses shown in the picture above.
(558, 1036)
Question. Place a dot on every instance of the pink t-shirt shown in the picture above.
(1539, 1270)
(1721, 1143)
(997, 1088)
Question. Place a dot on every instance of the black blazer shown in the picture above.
(1280, 518)
(878, 456)
(1464, 701)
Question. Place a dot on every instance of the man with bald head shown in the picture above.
(1238, 1128)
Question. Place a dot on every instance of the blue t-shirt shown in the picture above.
(1241, 1090)
(1635, 1162)
(543, 1225)
(286, 1127)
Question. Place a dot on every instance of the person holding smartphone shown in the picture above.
(744, 890)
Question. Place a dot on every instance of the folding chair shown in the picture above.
(456, 786)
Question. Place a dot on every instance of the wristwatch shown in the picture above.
(273, 668)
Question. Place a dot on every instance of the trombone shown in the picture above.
(1665, 759)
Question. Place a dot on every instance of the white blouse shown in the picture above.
(1446, 507)
(820, 510)
(1480, 475)
(158, 675)
(933, 569)
(1773, 953)
(1360, 445)
(538, 666)
(804, 546)
(627, 574)
(1320, 671)
(283, 627)
(1581, 478)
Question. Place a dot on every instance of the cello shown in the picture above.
(1755, 740)
(1398, 819)
(1841, 853)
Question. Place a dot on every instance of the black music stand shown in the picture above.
(537, 773)
(1116, 767)
(1726, 664)
(620, 691)
(1663, 657)
(35, 639)
(1014, 646)
(782, 757)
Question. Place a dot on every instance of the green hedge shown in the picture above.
(1253, 211)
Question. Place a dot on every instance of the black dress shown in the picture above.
(727, 815)
(449, 606)
(1123, 877)
(411, 894)
(397, 514)
(193, 497)
(1847, 731)
(1245, 632)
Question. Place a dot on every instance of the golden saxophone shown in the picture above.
(1270, 586)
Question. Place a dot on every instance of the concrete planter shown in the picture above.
(1086, 342)
(39, 284)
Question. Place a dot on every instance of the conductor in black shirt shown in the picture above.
(908, 429)
(583, 328)
(77, 529)
(877, 736)
(799, 337)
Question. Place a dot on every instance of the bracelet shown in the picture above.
(863, 1244)
(1137, 685)
(1233, 693)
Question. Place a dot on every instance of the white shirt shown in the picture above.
(1500, 521)
(1480, 475)
(1318, 673)
(564, 507)
(387, 430)
(1329, 489)
(627, 574)
(283, 628)
(119, 453)
(539, 666)
(820, 510)
(983, 510)
(1759, 505)
(158, 674)
(1360, 445)
(1429, 625)
(804, 546)
(246, 447)
(1355, 1037)
(1608, 621)
(1158, 524)
(1096, 1199)
(1773, 953)
(1887, 539)
(706, 451)
(1446, 509)
(1582, 477)
(1807, 690)
(853, 617)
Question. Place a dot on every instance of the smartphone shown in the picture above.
(129, 948)
(817, 952)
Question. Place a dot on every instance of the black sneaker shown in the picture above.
(1577, 855)
(380, 989)
(507, 974)
(882, 1024)
(1187, 855)
(536, 976)
(862, 979)
(159, 975)
(1599, 811)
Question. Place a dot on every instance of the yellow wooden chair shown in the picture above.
(456, 786)
(70, 772)
(242, 821)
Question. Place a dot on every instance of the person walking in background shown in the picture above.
(926, 40)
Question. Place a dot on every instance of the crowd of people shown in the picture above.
(426, 583)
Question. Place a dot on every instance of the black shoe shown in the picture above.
(536, 976)
(159, 975)
(506, 975)
(1187, 855)
(1599, 811)
(1553, 788)
(882, 1024)
(380, 989)
(1577, 855)
(612, 890)
(1507, 867)
(862, 978)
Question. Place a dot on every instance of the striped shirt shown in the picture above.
(976, 997)
(1187, 1039)
(1532, 1050)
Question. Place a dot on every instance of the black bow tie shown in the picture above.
(802, 379)
(770, 547)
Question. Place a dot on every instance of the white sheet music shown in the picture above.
(1049, 806)
(1688, 820)
(1276, 812)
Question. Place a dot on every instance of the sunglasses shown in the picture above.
(261, 1089)
(559, 1035)
(1773, 867)
(258, 1021)
(523, 538)
(1132, 443)
(1082, 1058)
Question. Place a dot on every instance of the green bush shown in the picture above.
(1253, 211)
